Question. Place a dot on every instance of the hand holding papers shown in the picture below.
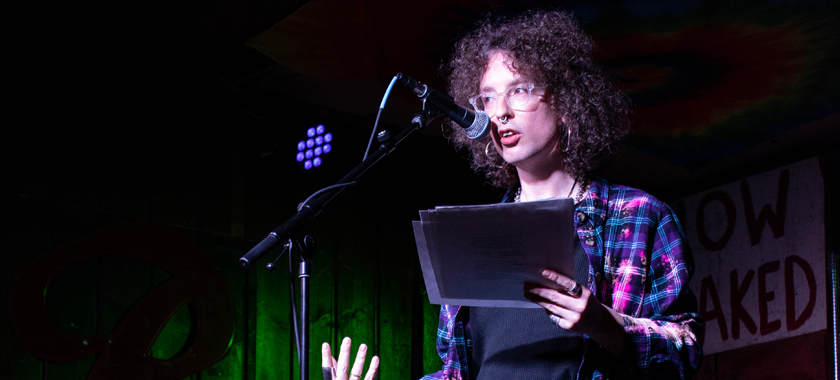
(483, 255)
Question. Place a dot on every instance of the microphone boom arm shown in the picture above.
(475, 124)
(314, 206)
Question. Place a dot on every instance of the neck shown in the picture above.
(552, 184)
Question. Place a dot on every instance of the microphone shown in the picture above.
(474, 123)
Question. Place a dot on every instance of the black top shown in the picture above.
(515, 343)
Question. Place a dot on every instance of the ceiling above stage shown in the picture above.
(716, 85)
(708, 80)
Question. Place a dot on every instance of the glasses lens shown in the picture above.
(480, 102)
(518, 97)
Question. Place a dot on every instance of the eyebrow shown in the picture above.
(511, 83)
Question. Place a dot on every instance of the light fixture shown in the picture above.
(312, 149)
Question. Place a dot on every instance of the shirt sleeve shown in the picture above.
(661, 340)
(451, 346)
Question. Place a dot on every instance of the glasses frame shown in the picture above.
(528, 86)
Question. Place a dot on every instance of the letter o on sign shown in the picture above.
(729, 205)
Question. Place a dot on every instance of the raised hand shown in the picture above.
(337, 369)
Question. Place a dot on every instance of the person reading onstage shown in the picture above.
(627, 312)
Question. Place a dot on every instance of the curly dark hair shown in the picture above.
(546, 47)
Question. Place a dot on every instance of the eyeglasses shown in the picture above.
(517, 97)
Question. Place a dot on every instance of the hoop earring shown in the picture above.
(568, 138)
(487, 154)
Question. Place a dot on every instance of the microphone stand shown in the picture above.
(306, 254)
(308, 210)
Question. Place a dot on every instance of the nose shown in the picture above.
(502, 108)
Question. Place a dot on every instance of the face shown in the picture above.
(528, 140)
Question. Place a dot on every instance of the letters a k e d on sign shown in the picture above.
(759, 254)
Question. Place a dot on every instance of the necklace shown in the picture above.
(584, 184)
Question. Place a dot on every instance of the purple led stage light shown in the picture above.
(311, 149)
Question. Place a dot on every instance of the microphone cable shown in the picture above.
(378, 114)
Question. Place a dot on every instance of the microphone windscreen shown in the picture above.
(479, 126)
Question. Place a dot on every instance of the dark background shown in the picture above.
(159, 113)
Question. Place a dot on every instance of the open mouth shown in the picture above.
(508, 137)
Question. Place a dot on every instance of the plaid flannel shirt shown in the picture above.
(640, 266)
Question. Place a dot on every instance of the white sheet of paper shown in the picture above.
(483, 255)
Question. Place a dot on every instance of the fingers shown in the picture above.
(326, 355)
(359, 364)
(566, 284)
(374, 368)
(327, 362)
(566, 319)
(557, 297)
(561, 316)
(550, 306)
(340, 367)
(565, 311)
(343, 359)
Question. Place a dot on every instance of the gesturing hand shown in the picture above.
(337, 369)
(575, 308)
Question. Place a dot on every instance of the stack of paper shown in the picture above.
(484, 255)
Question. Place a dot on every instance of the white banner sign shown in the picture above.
(759, 251)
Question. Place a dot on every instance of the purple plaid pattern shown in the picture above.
(640, 266)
